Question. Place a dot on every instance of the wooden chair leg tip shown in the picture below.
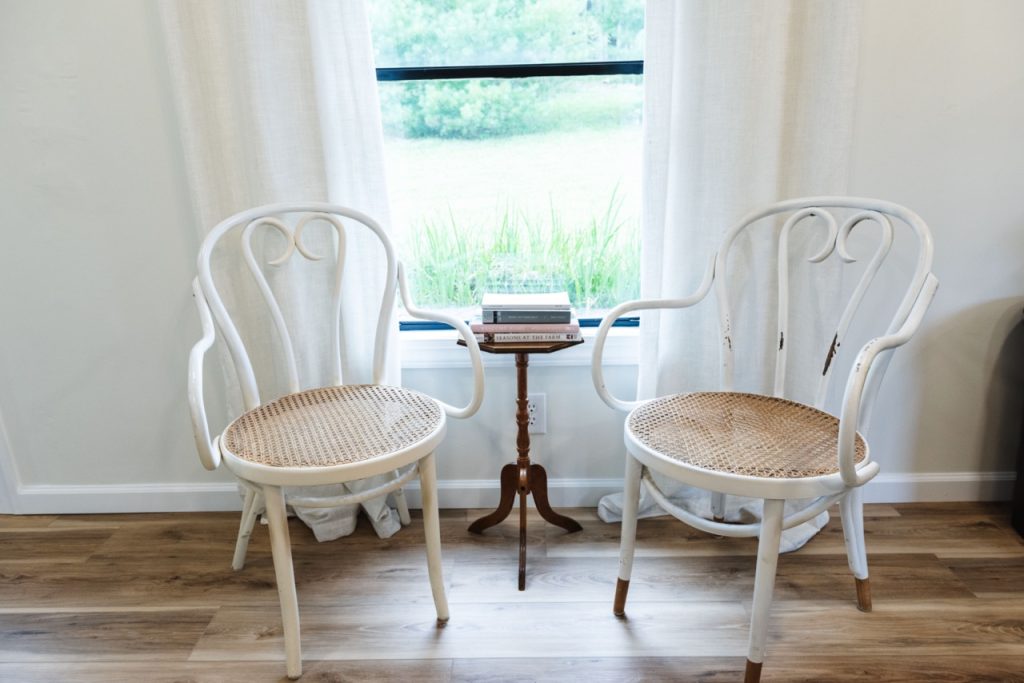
(752, 673)
(621, 590)
(442, 622)
(863, 595)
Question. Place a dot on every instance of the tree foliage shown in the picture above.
(466, 32)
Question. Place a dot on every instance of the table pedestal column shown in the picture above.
(524, 478)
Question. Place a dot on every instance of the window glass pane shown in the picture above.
(516, 185)
(469, 32)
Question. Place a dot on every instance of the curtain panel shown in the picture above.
(745, 103)
(277, 102)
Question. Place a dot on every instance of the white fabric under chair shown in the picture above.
(277, 101)
(744, 104)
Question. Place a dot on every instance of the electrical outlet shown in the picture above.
(537, 407)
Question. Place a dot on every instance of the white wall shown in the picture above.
(99, 247)
(938, 129)
(581, 451)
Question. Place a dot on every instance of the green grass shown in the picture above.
(548, 211)
(596, 262)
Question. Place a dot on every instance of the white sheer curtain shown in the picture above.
(745, 103)
(277, 101)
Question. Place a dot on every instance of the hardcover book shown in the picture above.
(551, 301)
(480, 327)
(516, 316)
(499, 337)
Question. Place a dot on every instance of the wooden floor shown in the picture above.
(152, 598)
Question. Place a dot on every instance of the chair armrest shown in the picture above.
(471, 344)
(859, 378)
(596, 370)
(209, 453)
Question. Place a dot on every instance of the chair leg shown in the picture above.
(627, 542)
(856, 553)
(280, 545)
(432, 531)
(718, 506)
(401, 503)
(250, 509)
(764, 583)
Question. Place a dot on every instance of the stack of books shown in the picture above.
(519, 318)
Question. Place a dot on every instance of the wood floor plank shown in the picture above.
(969, 626)
(27, 545)
(990, 577)
(800, 577)
(498, 541)
(481, 630)
(865, 669)
(152, 597)
(870, 668)
(377, 671)
(963, 533)
(659, 537)
(187, 562)
(815, 669)
(142, 518)
(76, 636)
(26, 521)
(548, 580)
(812, 577)
(114, 583)
(599, 669)
(159, 561)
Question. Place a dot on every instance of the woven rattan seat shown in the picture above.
(745, 434)
(333, 426)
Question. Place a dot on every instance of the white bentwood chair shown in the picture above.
(769, 447)
(326, 435)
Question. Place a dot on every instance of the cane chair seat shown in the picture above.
(743, 434)
(332, 426)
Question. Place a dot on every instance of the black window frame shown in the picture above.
(544, 70)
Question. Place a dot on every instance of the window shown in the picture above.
(512, 137)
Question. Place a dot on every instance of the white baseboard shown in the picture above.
(940, 487)
(474, 493)
(110, 498)
(469, 493)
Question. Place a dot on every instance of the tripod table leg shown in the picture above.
(509, 485)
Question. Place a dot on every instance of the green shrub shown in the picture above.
(467, 109)
(467, 32)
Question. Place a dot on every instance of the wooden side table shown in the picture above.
(523, 476)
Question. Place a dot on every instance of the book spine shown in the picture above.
(491, 328)
(532, 317)
(497, 337)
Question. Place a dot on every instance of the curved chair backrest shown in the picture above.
(817, 212)
(290, 221)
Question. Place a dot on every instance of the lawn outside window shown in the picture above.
(512, 143)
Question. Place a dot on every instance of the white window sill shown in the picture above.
(438, 349)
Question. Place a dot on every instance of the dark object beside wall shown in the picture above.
(1018, 493)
